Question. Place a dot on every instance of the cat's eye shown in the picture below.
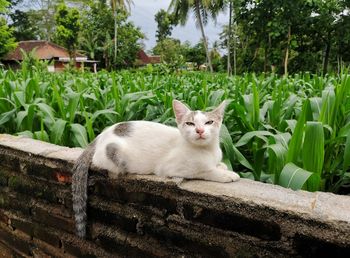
(209, 122)
(189, 123)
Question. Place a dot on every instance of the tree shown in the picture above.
(195, 54)
(165, 23)
(202, 9)
(24, 25)
(67, 28)
(7, 41)
(169, 49)
(122, 5)
(100, 45)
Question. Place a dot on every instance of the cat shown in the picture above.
(190, 151)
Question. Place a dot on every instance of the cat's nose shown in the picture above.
(199, 131)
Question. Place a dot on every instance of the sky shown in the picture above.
(142, 14)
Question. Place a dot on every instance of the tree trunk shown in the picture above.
(265, 58)
(326, 56)
(199, 17)
(229, 68)
(287, 52)
(115, 35)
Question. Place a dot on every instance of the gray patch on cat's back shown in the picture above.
(112, 154)
(123, 129)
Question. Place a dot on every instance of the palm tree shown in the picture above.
(118, 4)
(202, 9)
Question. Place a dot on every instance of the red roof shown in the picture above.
(146, 59)
(45, 50)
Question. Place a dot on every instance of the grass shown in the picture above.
(292, 131)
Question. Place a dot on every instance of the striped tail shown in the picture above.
(79, 188)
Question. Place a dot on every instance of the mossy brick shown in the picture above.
(10, 161)
(4, 200)
(10, 201)
(37, 189)
(3, 178)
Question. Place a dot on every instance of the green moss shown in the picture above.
(13, 182)
(3, 200)
(3, 180)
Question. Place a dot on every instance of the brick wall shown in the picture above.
(146, 216)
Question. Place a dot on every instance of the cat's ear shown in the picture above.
(220, 110)
(180, 110)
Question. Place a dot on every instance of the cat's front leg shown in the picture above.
(220, 175)
(222, 165)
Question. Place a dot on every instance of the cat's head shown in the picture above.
(197, 127)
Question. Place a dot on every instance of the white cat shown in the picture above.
(190, 151)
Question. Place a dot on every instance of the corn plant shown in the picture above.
(292, 131)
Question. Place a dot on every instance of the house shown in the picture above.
(143, 59)
(57, 56)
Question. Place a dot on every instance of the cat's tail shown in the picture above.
(79, 188)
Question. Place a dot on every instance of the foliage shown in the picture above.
(7, 42)
(292, 36)
(293, 131)
(24, 25)
(202, 9)
(165, 23)
(170, 50)
(99, 44)
(67, 28)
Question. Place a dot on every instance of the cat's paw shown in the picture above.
(230, 176)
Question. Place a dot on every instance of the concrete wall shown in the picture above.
(146, 216)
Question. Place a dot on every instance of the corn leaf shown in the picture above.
(79, 134)
(231, 150)
(295, 144)
(346, 162)
(293, 176)
(57, 131)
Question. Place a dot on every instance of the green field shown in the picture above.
(292, 131)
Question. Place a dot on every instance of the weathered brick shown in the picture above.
(3, 178)
(48, 216)
(268, 230)
(24, 226)
(6, 252)
(16, 243)
(43, 249)
(3, 217)
(115, 192)
(189, 246)
(10, 201)
(38, 188)
(9, 160)
(115, 215)
(48, 173)
(43, 233)
(312, 247)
